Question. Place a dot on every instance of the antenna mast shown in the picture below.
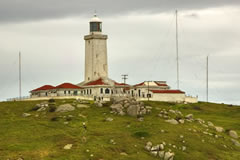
(207, 80)
(20, 77)
(177, 49)
(124, 78)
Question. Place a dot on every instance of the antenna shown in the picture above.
(177, 49)
(20, 77)
(207, 80)
(124, 77)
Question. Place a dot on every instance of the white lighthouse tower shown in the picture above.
(96, 65)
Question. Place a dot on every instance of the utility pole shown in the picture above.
(124, 77)
(148, 95)
(207, 81)
(20, 77)
(177, 49)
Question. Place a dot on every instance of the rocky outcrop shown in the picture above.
(130, 107)
(65, 108)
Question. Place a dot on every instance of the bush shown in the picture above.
(68, 118)
(52, 108)
(51, 100)
(197, 108)
(54, 119)
(141, 134)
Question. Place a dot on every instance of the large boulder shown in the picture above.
(65, 108)
(133, 110)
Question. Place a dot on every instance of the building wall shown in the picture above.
(168, 97)
(96, 65)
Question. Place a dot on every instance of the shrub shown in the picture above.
(54, 119)
(51, 100)
(52, 108)
(197, 108)
(141, 134)
(68, 118)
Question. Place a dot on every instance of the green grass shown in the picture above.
(40, 138)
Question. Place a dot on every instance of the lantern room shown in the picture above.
(95, 24)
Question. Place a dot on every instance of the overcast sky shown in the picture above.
(49, 34)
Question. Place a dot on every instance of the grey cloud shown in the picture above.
(28, 10)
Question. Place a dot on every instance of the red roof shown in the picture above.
(68, 86)
(120, 84)
(140, 84)
(168, 91)
(161, 84)
(96, 82)
(45, 87)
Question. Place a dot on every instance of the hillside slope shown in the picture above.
(43, 135)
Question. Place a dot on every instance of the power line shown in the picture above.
(124, 77)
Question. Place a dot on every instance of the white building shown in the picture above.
(98, 86)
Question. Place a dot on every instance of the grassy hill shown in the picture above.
(43, 135)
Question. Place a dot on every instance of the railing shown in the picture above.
(18, 98)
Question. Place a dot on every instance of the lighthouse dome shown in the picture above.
(95, 19)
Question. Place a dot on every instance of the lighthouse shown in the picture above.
(96, 65)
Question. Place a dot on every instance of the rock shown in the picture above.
(121, 113)
(210, 124)
(155, 153)
(161, 147)
(172, 121)
(235, 142)
(41, 109)
(116, 107)
(82, 106)
(65, 122)
(68, 146)
(181, 121)
(26, 114)
(172, 111)
(65, 108)
(133, 110)
(109, 119)
(181, 136)
(233, 134)
(168, 156)
(184, 148)
(189, 116)
(99, 104)
(161, 154)
(219, 129)
(148, 146)
(80, 115)
(123, 154)
(155, 148)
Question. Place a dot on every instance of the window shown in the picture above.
(84, 91)
(107, 91)
(87, 91)
(65, 92)
(90, 91)
(46, 93)
(75, 92)
(101, 91)
(139, 93)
